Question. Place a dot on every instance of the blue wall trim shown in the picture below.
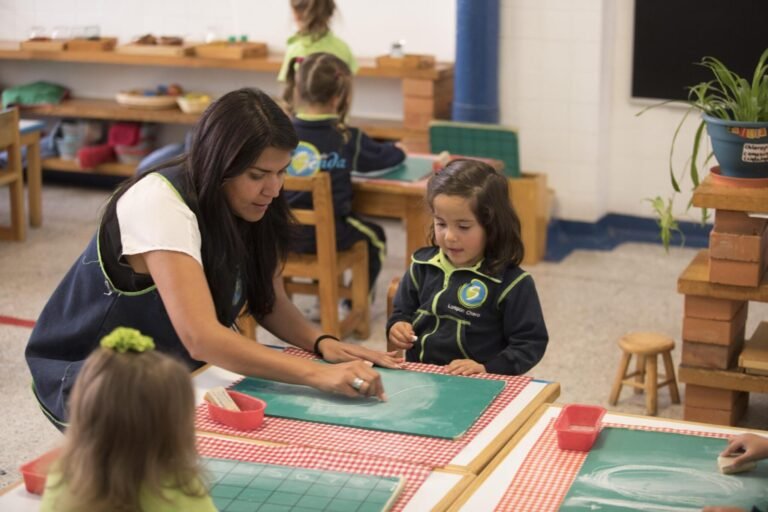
(565, 236)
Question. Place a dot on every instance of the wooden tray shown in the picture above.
(102, 44)
(146, 102)
(166, 50)
(55, 45)
(411, 61)
(224, 50)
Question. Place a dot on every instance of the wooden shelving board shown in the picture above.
(721, 197)
(9, 50)
(723, 379)
(695, 281)
(111, 168)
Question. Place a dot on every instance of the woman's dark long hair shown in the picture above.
(229, 137)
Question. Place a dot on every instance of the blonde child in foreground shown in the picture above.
(313, 18)
(749, 447)
(465, 302)
(130, 445)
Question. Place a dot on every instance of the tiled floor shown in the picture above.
(590, 299)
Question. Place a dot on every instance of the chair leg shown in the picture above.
(651, 386)
(328, 295)
(669, 368)
(360, 290)
(640, 368)
(617, 382)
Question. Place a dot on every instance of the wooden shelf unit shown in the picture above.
(427, 93)
(724, 386)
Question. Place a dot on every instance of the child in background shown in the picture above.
(319, 90)
(130, 444)
(314, 35)
(465, 302)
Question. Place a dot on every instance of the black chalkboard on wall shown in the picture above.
(670, 36)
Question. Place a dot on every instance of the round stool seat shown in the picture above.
(646, 343)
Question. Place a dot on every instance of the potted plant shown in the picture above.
(735, 113)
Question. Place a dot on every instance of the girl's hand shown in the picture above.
(754, 447)
(337, 351)
(464, 367)
(352, 379)
(401, 335)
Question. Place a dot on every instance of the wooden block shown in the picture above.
(712, 398)
(714, 309)
(165, 50)
(730, 221)
(409, 61)
(716, 416)
(530, 200)
(737, 273)
(427, 88)
(739, 247)
(718, 332)
(706, 355)
(755, 353)
(225, 50)
(55, 45)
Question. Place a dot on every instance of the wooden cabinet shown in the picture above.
(427, 93)
(717, 306)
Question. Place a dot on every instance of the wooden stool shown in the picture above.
(646, 346)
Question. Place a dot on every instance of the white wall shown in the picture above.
(565, 69)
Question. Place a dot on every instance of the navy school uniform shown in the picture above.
(467, 313)
(323, 148)
(98, 294)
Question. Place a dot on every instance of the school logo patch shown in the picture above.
(305, 161)
(473, 294)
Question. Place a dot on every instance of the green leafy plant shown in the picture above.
(727, 96)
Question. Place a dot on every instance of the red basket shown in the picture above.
(577, 426)
(249, 417)
(36, 471)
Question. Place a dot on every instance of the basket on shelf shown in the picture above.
(193, 103)
(134, 100)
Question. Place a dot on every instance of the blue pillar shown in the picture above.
(476, 80)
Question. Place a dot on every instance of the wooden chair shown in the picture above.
(13, 175)
(325, 269)
(646, 346)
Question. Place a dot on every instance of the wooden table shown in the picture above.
(545, 493)
(30, 137)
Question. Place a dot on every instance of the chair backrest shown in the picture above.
(9, 129)
(476, 139)
(320, 215)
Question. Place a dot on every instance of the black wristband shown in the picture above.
(321, 338)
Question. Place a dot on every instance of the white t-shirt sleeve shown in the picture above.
(153, 217)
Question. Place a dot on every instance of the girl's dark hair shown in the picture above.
(316, 80)
(229, 137)
(487, 191)
(314, 16)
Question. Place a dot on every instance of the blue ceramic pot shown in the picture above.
(741, 148)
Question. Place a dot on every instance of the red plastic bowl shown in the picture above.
(36, 471)
(249, 417)
(577, 426)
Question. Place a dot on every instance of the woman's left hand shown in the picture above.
(464, 367)
(337, 352)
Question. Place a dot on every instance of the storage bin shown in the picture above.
(577, 426)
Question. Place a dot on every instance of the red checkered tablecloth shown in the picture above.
(547, 473)
(432, 452)
(310, 458)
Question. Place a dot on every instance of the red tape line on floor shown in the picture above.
(19, 322)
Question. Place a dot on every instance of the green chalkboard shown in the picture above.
(414, 168)
(426, 404)
(245, 486)
(657, 471)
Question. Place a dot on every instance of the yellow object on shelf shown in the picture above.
(193, 103)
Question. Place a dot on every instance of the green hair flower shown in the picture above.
(123, 339)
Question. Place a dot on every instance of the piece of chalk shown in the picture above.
(727, 467)
(414, 338)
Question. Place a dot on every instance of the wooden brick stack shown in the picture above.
(423, 101)
(718, 285)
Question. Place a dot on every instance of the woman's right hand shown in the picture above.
(401, 335)
(343, 379)
(754, 447)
